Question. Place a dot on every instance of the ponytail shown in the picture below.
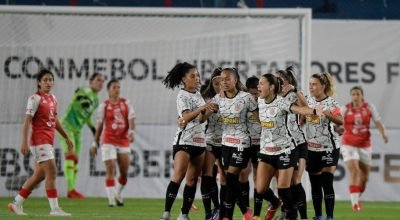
(330, 87)
(288, 75)
(174, 77)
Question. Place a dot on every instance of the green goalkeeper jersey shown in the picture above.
(80, 110)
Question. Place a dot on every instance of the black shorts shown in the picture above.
(281, 161)
(231, 156)
(303, 150)
(193, 151)
(318, 160)
(254, 149)
(216, 150)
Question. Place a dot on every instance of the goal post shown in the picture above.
(138, 46)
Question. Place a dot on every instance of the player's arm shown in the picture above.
(132, 129)
(25, 129)
(301, 100)
(97, 135)
(334, 116)
(382, 131)
(61, 130)
(91, 126)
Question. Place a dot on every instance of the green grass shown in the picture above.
(146, 209)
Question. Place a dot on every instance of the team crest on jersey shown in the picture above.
(272, 111)
(109, 107)
(238, 107)
(313, 119)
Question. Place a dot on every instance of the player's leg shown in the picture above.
(77, 148)
(123, 159)
(327, 181)
(181, 163)
(69, 162)
(109, 157)
(207, 182)
(299, 192)
(352, 159)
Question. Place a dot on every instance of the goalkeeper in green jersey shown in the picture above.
(79, 112)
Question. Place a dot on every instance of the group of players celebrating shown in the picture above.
(268, 125)
(229, 127)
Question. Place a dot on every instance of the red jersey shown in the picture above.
(116, 121)
(356, 124)
(43, 108)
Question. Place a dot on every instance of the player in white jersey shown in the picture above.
(189, 143)
(209, 187)
(254, 128)
(290, 93)
(323, 143)
(234, 106)
(276, 142)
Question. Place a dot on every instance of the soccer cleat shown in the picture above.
(118, 199)
(329, 218)
(356, 207)
(165, 216)
(248, 215)
(59, 212)
(269, 215)
(194, 208)
(73, 194)
(183, 217)
(215, 214)
(318, 218)
(18, 210)
(256, 218)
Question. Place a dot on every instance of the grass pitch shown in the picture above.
(147, 209)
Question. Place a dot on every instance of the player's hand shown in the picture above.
(321, 111)
(24, 149)
(93, 151)
(131, 137)
(181, 123)
(385, 138)
(70, 145)
(286, 88)
(210, 106)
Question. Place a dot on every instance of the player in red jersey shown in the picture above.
(116, 120)
(356, 140)
(41, 114)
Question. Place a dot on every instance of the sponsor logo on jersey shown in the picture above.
(232, 140)
(271, 148)
(220, 119)
(314, 145)
(328, 158)
(231, 120)
(313, 119)
(268, 124)
(199, 140)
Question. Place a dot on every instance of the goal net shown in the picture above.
(138, 46)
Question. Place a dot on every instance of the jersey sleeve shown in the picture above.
(343, 110)
(183, 104)
(374, 112)
(33, 104)
(252, 104)
(131, 111)
(100, 113)
(285, 105)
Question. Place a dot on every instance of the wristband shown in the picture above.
(314, 111)
(94, 144)
(295, 90)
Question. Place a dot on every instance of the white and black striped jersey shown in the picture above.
(275, 136)
(293, 121)
(214, 130)
(234, 117)
(194, 132)
(320, 133)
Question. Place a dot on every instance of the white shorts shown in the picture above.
(109, 151)
(42, 152)
(356, 153)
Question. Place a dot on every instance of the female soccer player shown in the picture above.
(356, 141)
(277, 145)
(79, 112)
(234, 106)
(290, 93)
(42, 114)
(116, 117)
(209, 187)
(190, 143)
(323, 143)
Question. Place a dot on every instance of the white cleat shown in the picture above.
(18, 210)
(118, 199)
(165, 216)
(183, 217)
(59, 212)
